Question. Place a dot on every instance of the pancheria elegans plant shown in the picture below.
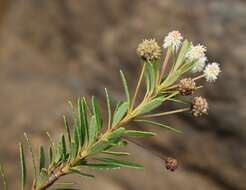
(90, 142)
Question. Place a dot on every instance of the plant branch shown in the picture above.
(88, 138)
(64, 169)
(199, 77)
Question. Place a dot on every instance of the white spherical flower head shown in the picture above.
(199, 65)
(212, 71)
(173, 40)
(196, 52)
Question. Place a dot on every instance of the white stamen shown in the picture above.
(196, 52)
(173, 40)
(212, 71)
(199, 65)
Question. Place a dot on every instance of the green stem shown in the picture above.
(164, 65)
(138, 86)
(199, 77)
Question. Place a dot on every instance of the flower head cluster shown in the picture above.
(192, 58)
(199, 64)
(197, 54)
(173, 40)
(199, 106)
(212, 71)
(187, 86)
(149, 50)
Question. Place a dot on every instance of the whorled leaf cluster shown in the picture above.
(88, 142)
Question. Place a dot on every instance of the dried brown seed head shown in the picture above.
(171, 164)
(149, 50)
(199, 106)
(187, 86)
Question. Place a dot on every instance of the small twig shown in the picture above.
(164, 66)
(166, 113)
(138, 86)
(199, 77)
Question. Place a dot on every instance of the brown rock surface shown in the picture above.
(54, 51)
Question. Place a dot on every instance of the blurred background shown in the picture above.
(52, 51)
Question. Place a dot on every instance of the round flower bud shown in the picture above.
(173, 40)
(187, 86)
(212, 71)
(199, 106)
(149, 50)
(171, 164)
(196, 52)
(199, 64)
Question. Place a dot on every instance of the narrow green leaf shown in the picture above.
(114, 153)
(116, 135)
(51, 149)
(118, 104)
(50, 155)
(112, 139)
(151, 105)
(120, 163)
(74, 116)
(76, 137)
(76, 123)
(123, 78)
(147, 79)
(119, 113)
(152, 76)
(23, 166)
(63, 148)
(60, 149)
(74, 145)
(57, 156)
(109, 108)
(79, 136)
(77, 171)
(41, 158)
(187, 67)
(182, 54)
(74, 150)
(92, 129)
(33, 157)
(152, 70)
(160, 125)
(67, 129)
(51, 142)
(5, 187)
(97, 114)
(83, 121)
(98, 147)
(134, 133)
(179, 101)
(171, 79)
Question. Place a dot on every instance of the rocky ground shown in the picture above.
(54, 51)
